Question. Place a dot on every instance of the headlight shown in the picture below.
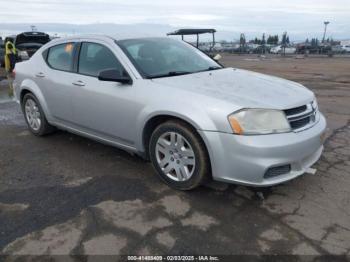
(259, 122)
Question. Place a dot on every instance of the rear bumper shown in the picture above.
(246, 159)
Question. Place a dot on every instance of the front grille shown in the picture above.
(299, 123)
(277, 171)
(301, 117)
(295, 111)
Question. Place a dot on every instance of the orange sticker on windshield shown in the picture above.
(69, 48)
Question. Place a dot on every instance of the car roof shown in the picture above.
(89, 36)
(106, 38)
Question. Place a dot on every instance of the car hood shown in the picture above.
(243, 88)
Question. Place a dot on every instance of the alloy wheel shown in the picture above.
(33, 114)
(175, 156)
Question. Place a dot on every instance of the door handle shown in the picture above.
(40, 74)
(79, 83)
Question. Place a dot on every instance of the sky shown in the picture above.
(301, 18)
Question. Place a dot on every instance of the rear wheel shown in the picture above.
(35, 117)
(179, 156)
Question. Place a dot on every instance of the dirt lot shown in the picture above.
(64, 194)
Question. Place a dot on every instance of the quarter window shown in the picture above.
(95, 58)
(60, 57)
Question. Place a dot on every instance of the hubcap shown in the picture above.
(33, 114)
(175, 156)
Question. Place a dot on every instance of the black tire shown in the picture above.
(202, 170)
(45, 127)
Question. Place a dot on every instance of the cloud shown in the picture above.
(298, 16)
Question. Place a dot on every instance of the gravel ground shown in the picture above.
(65, 194)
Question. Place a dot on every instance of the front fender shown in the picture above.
(197, 118)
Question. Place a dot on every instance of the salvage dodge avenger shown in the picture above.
(173, 105)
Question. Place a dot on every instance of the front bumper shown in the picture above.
(246, 159)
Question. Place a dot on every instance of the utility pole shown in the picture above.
(263, 41)
(242, 43)
(326, 23)
(284, 43)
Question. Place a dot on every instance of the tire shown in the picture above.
(31, 107)
(179, 156)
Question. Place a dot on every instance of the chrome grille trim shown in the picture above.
(302, 120)
(296, 110)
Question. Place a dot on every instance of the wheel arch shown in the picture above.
(29, 86)
(24, 91)
(152, 123)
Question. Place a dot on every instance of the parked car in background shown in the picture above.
(218, 47)
(338, 49)
(175, 106)
(262, 49)
(275, 49)
(230, 47)
(28, 43)
(346, 48)
(251, 48)
(279, 50)
(290, 50)
(318, 49)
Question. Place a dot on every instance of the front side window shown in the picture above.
(60, 57)
(162, 57)
(95, 58)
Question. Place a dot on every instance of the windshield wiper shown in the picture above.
(179, 73)
(215, 67)
(212, 68)
(171, 73)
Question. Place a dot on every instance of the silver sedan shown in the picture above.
(175, 106)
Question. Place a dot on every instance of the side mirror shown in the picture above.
(114, 75)
(217, 57)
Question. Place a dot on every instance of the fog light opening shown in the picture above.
(277, 171)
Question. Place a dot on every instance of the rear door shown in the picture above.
(55, 80)
(106, 109)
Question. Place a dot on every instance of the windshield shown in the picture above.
(163, 57)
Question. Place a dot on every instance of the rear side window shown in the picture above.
(95, 58)
(60, 57)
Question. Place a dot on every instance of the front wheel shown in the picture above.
(179, 155)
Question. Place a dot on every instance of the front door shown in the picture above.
(100, 107)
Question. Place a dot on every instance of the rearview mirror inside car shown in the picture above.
(114, 75)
